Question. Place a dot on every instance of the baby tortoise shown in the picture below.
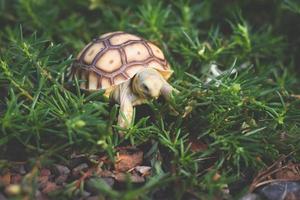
(129, 68)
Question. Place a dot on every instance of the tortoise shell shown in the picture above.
(114, 58)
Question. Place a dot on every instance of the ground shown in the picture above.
(211, 141)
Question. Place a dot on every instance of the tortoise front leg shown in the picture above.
(125, 113)
(123, 96)
(166, 90)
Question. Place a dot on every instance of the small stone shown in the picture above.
(91, 185)
(110, 181)
(40, 196)
(61, 179)
(2, 197)
(77, 160)
(143, 170)
(251, 196)
(280, 190)
(76, 171)
(95, 198)
(20, 169)
(61, 169)
(85, 194)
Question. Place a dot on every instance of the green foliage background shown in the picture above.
(247, 119)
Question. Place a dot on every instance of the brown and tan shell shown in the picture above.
(114, 58)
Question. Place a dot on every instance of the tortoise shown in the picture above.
(129, 68)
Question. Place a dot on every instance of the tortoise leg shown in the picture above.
(167, 89)
(166, 92)
(123, 96)
(125, 113)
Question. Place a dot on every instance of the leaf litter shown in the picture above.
(80, 169)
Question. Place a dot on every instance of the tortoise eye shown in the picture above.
(145, 87)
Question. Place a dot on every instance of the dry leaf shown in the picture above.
(126, 160)
(45, 172)
(290, 171)
(43, 181)
(197, 145)
(16, 179)
(5, 179)
(281, 170)
(50, 187)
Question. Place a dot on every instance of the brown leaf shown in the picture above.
(290, 171)
(5, 179)
(197, 145)
(16, 179)
(43, 181)
(50, 187)
(127, 160)
(280, 170)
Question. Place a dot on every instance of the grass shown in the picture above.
(241, 116)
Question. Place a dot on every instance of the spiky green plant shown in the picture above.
(241, 116)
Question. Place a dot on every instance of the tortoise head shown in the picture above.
(148, 83)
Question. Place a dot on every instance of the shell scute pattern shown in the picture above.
(114, 58)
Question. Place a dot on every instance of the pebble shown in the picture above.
(61, 169)
(85, 194)
(95, 198)
(110, 181)
(76, 171)
(91, 187)
(20, 169)
(61, 180)
(2, 197)
(281, 190)
(251, 196)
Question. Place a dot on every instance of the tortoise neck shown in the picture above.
(133, 85)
